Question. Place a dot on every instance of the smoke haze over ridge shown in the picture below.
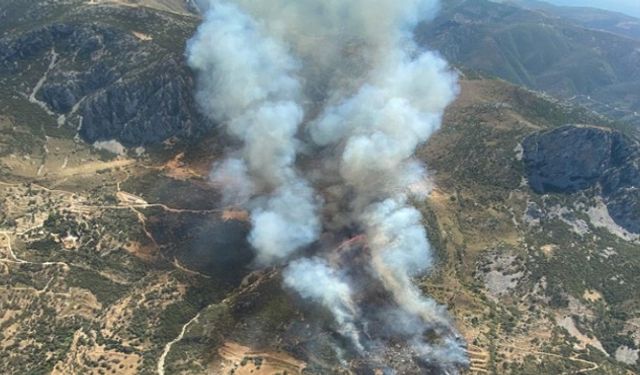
(331, 96)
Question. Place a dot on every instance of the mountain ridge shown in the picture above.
(587, 67)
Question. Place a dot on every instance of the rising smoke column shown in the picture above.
(375, 133)
(248, 82)
(316, 280)
(371, 97)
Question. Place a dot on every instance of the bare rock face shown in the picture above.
(570, 159)
(145, 109)
(108, 82)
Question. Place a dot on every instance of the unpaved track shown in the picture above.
(593, 366)
(167, 347)
(15, 260)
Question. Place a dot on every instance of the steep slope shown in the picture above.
(110, 73)
(180, 7)
(587, 66)
(597, 158)
(132, 265)
(543, 281)
(592, 18)
(157, 271)
(537, 282)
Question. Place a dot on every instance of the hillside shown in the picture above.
(542, 268)
(592, 18)
(545, 51)
(106, 72)
(126, 261)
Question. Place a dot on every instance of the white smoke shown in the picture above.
(239, 68)
(232, 177)
(247, 82)
(400, 251)
(380, 127)
(285, 223)
(316, 280)
(339, 35)
(344, 79)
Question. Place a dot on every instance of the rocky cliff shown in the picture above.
(107, 75)
(570, 159)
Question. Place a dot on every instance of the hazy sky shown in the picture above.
(631, 7)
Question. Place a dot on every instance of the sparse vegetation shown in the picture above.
(92, 283)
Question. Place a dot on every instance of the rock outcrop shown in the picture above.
(570, 159)
(107, 82)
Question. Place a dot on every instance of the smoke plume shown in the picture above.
(315, 279)
(247, 82)
(329, 100)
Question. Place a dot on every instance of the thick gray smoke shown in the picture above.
(341, 83)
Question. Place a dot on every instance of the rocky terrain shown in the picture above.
(120, 259)
(576, 158)
(111, 73)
